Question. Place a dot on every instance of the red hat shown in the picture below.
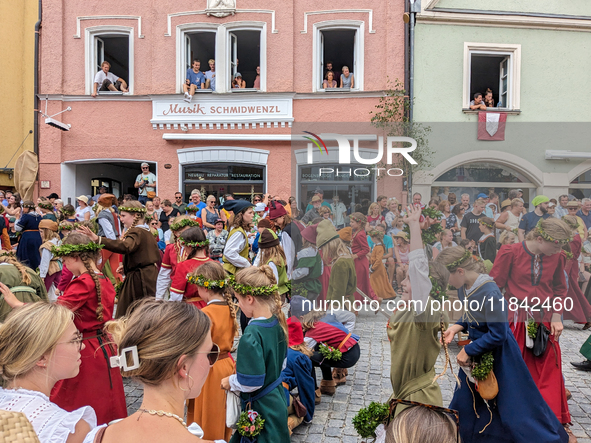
(294, 329)
(276, 210)
(309, 233)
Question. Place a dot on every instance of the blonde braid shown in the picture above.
(25, 277)
(87, 264)
(228, 297)
(279, 313)
(446, 350)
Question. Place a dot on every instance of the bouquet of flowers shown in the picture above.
(330, 353)
(249, 425)
(368, 419)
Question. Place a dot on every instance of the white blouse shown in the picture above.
(52, 424)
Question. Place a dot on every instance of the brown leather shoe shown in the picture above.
(317, 396)
(328, 387)
(587, 326)
(571, 436)
(338, 375)
(293, 422)
(568, 394)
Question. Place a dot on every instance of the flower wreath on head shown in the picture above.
(132, 210)
(65, 211)
(183, 223)
(203, 282)
(576, 226)
(46, 205)
(192, 209)
(29, 205)
(456, 264)
(67, 226)
(6, 253)
(194, 244)
(265, 291)
(486, 224)
(63, 250)
(548, 237)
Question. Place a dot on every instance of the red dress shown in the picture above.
(526, 276)
(97, 384)
(581, 309)
(179, 282)
(170, 258)
(360, 247)
(324, 279)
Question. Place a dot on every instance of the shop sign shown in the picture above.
(222, 110)
(224, 175)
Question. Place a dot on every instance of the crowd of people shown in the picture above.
(208, 304)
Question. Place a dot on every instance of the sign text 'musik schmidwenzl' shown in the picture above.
(196, 108)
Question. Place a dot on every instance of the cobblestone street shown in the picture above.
(369, 381)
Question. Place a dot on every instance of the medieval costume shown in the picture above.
(180, 289)
(379, 276)
(27, 251)
(487, 247)
(581, 309)
(360, 247)
(11, 277)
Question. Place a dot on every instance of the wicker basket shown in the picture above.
(15, 428)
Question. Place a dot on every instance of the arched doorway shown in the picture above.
(580, 186)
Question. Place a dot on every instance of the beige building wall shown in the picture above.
(17, 60)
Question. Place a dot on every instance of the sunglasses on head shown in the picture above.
(212, 355)
(452, 412)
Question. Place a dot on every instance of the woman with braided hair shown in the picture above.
(360, 249)
(532, 275)
(91, 296)
(141, 254)
(108, 226)
(197, 247)
(209, 408)
(518, 413)
(24, 283)
(261, 352)
(174, 253)
(414, 332)
(50, 268)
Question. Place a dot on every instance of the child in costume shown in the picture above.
(197, 247)
(518, 413)
(46, 208)
(291, 238)
(378, 275)
(533, 270)
(109, 227)
(581, 310)
(141, 255)
(306, 276)
(173, 253)
(24, 283)
(298, 374)
(360, 250)
(262, 225)
(27, 251)
(91, 297)
(50, 267)
(414, 332)
(271, 254)
(261, 353)
(209, 409)
(487, 244)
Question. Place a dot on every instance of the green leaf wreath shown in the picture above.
(250, 424)
(368, 419)
(429, 235)
(330, 353)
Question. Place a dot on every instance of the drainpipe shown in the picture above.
(415, 6)
(36, 87)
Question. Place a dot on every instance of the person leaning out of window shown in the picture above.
(329, 81)
(238, 83)
(107, 81)
(477, 103)
(347, 79)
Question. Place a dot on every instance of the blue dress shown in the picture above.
(298, 374)
(28, 247)
(519, 412)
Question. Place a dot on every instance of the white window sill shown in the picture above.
(503, 110)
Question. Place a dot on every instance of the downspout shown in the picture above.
(411, 76)
(36, 87)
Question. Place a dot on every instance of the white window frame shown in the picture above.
(90, 35)
(317, 50)
(222, 51)
(514, 70)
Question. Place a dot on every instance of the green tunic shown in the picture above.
(343, 280)
(261, 352)
(283, 280)
(11, 277)
(412, 372)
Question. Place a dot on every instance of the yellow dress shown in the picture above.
(379, 277)
(209, 409)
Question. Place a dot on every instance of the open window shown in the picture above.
(338, 44)
(113, 44)
(495, 68)
(244, 56)
(338, 51)
(199, 46)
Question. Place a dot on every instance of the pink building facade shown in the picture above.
(224, 140)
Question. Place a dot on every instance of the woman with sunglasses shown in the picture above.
(167, 348)
(518, 413)
(39, 346)
(209, 214)
(91, 297)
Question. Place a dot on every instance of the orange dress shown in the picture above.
(209, 409)
(379, 277)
